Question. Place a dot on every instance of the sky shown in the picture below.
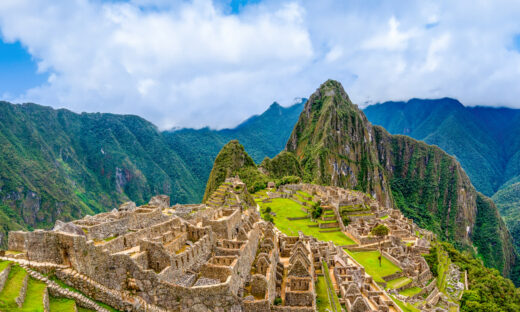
(215, 63)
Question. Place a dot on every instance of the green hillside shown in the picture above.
(56, 164)
(485, 140)
(336, 145)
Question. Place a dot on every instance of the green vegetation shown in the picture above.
(488, 290)
(322, 297)
(370, 260)
(332, 293)
(61, 304)
(34, 298)
(284, 208)
(412, 291)
(63, 285)
(12, 288)
(507, 200)
(398, 282)
(3, 265)
(476, 135)
(406, 307)
(61, 164)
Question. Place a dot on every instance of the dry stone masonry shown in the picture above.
(221, 256)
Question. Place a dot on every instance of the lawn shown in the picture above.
(398, 282)
(286, 208)
(322, 297)
(411, 291)
(34, 298)
(369, 259)
(406, 307)
(3, 265)
(12, 289)
(61, 304)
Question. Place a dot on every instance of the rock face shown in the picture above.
(336, 145)
(68, 227)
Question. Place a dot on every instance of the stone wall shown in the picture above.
(134, 220)
(226, 226)
(4, 275)
(23, 291)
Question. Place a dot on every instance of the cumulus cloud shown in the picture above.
(192, 63)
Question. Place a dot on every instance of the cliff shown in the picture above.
(337, 145)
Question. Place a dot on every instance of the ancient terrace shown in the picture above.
(221, 256)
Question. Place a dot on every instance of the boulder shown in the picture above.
(128, 206)
(160, 201)
(68, 227)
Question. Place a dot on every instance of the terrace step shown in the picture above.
(10, 295)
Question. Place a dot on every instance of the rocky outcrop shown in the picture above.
(68, 227)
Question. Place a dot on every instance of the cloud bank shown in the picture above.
(192, 63)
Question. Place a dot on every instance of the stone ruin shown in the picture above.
(217, 256)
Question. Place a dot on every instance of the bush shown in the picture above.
(277, 301)
(267, 209)
(268, 218)
(346, 220)
(317, 212)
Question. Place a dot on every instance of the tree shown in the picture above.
(380, 231)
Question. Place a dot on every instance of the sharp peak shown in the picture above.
(330, 88)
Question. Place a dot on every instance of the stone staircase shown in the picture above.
(137, 303)
(33, 270)
(56, 290)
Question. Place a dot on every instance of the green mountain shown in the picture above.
(336, 145)
(58, 164)
(476, 136)
(263, 136)
(55, 164)
(485, 140)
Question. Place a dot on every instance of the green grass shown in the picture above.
(61, 304)
(62, 284)
(398, 282)
(331, 287)
(34, 298)
(406, 307)
(322, 297)
(110, 238)
(284, 208)
(384, 217)
(369, 259)
(3, 265)
(12, 289)
(80, 309)
(411, 291)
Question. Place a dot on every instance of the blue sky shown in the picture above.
(197, 63)
(18, 70)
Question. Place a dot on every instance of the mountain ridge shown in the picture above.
(336, 145)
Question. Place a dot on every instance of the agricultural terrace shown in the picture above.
(370, 260)
(289, 217)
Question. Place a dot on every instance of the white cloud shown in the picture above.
(189, 63)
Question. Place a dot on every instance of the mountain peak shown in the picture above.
(229, 160)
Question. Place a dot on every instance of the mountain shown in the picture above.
(485, 140)
(56, 164)
(476, 136)
(263, 136)
(336, 145)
